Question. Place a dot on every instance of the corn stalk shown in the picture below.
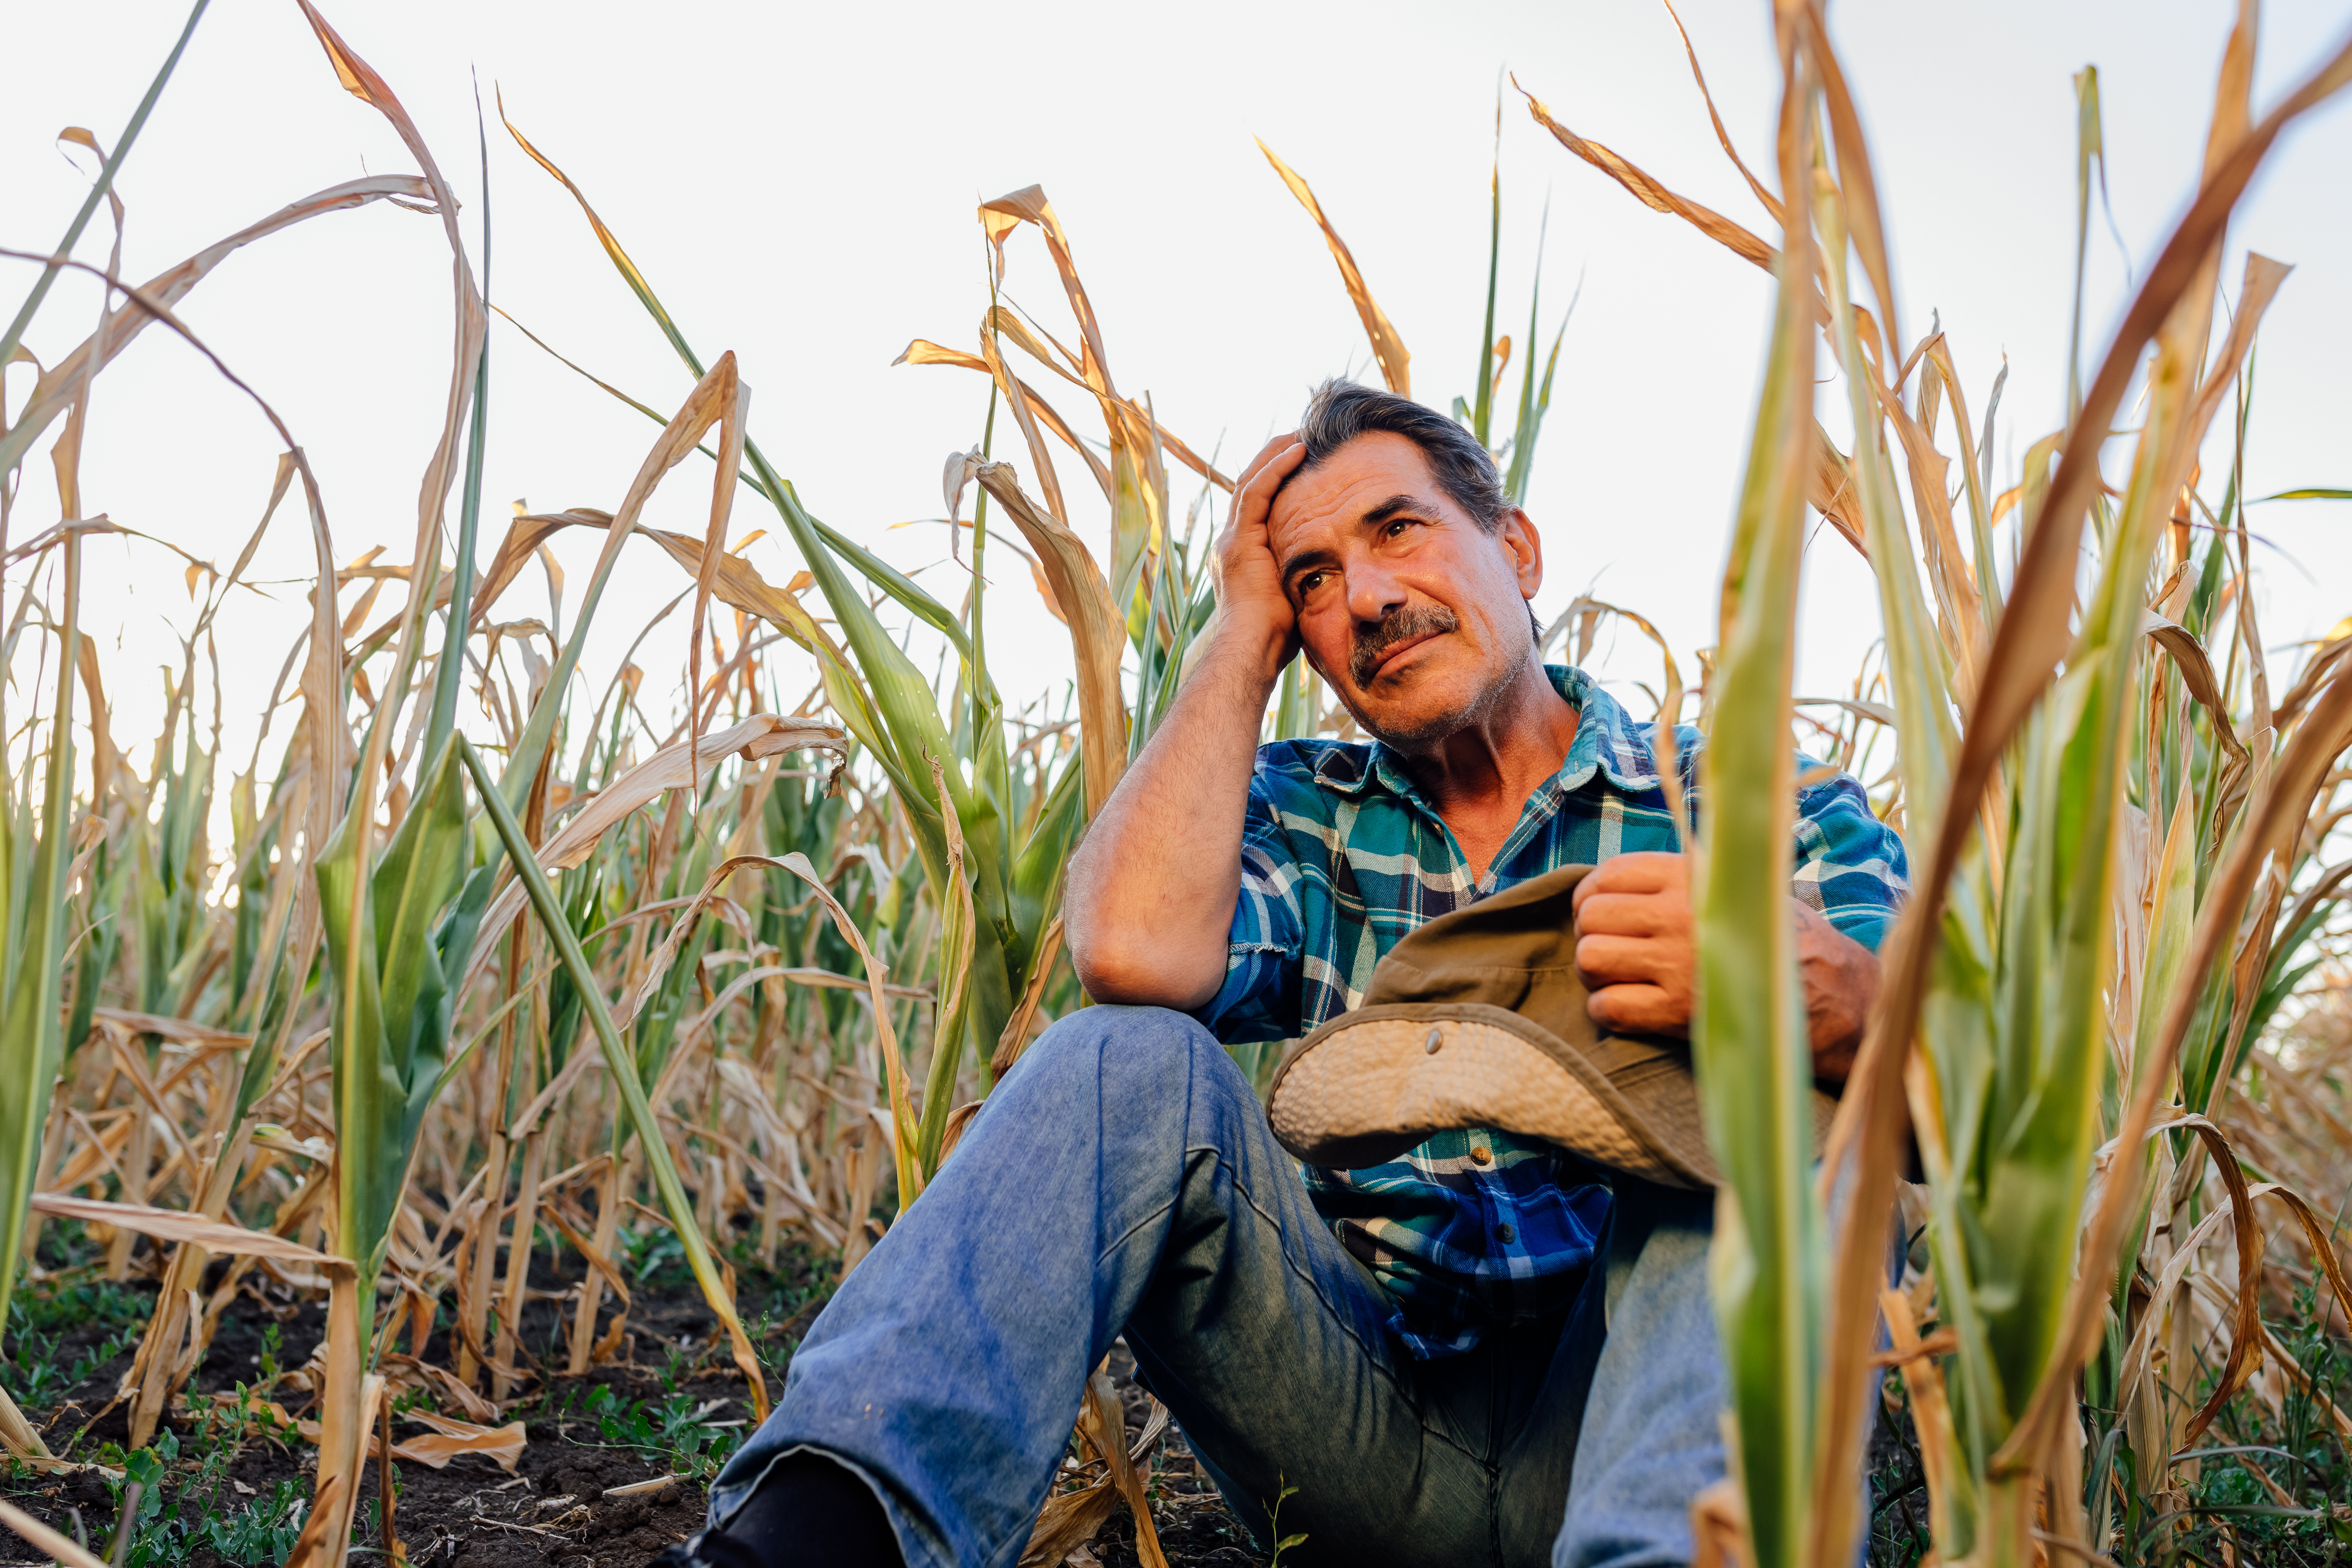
(2027, 914)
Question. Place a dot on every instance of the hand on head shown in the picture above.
(1251, 602)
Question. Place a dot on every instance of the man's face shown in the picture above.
(1415, 615)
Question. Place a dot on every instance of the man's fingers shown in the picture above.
(1633, 948)
(1645, 871)
(1639, 1010)
(1602, 960)
(1266, 455)
(1632, 914)
(1254, 498)
(1254, 491)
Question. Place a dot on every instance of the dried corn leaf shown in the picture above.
(1931, 1411)
(2196, 673)
(902, 1115)
(441, 471)
(174, 1225)
(2034, 629)
(1028, 205)
(2261, 285)
(41, 1538)
(184, 1031)
(1098, 634)
(1388, 348)
(503, 1445)
(922, 351)
(604, 236)
(1650, 193)
(1024, 414)
(1771, 203)
(1831, 491)
(731, 399)
(1138, 492)
(438, 1383)
(1017, 1028)
(54, 392)
(1071, 1518)
(1856, 184)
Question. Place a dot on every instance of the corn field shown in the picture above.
(494, 956)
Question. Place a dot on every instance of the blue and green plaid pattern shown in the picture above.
(1342, 855)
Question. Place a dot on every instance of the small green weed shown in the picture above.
(201, 1511)
(38, 1374)
(653, 1251)
(1282, 1542)
(670, 1432)
(262, 1531)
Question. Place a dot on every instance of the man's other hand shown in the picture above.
(1636, 954)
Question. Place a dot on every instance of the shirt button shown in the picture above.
(1480, 1156)
(1506, 1234)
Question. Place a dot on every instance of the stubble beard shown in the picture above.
(1417, 738)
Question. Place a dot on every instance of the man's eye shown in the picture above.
(1397, 527)
(1309, 582)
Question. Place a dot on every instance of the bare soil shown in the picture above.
(672, 1406)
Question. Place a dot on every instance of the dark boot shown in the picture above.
(809, 1512)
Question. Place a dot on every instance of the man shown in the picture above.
(1478, 1354)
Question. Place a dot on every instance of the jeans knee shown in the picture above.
(1111, 1041)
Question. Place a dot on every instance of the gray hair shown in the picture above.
(1341, 410)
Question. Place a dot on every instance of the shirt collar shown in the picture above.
(1608, 742)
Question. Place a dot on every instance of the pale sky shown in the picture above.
(799, 186)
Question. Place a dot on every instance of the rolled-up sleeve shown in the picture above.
(1265, 951)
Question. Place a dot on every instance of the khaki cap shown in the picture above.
(1477, 1019)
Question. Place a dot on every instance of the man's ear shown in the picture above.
(1526, 545)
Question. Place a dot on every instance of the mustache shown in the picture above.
(1374, 638)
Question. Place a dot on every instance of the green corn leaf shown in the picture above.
(1038, 870)
(449, 674)
(626, 1075)
(35, 856)
(1482, 408)
(2089, 149)
(393, 974)
(1535, 401)
(1749, 1042)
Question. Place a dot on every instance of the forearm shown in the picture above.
(1152, 888)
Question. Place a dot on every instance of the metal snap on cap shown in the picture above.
(1436, 1038)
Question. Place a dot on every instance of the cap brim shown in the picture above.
(1367, 1088)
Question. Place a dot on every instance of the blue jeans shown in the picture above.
(1122, 1179)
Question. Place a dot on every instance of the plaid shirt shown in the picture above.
(1342, 855)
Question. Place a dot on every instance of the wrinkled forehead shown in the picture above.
(1365, 479)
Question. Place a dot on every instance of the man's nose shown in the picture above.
(1374, 592)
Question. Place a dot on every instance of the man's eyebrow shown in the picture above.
(1374, 516)
(1294, 564)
